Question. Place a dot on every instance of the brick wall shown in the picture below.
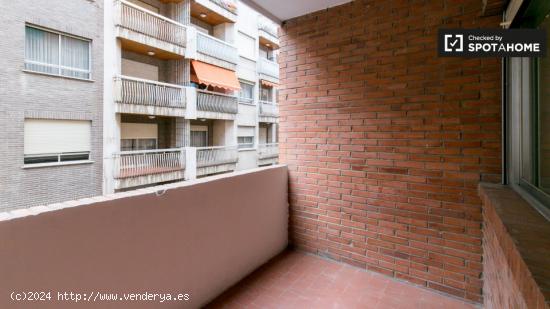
(386, 142)
(515, 268)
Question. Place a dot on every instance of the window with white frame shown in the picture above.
(246, 45)
(245, 136)
(56, 141)
(246, 94)
(55, 53)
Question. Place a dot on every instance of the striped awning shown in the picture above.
(214, 76)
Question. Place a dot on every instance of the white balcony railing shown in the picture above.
(228, 5)
(269, 109)
(210, 101)
(216, 48)
(267, 27)
(266, 151)
(136, 91)
(217, 155)
(147, 162)
(270, 68)
(135, 18)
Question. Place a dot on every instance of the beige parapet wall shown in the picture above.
(197, 238)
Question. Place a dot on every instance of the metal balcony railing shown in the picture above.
(214, 47)
(216, 102)
(266, 151)
(135, 18)
(269, 109)
(147, 162)
(228, 5)
(268, 28)
(217, 155)
(270, 68)
(136, 91)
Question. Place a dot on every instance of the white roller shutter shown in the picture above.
(140, 70)
(138, 130)
(246, 131)
(44, 136)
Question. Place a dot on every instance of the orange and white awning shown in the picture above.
(268, 83)
(214, 76)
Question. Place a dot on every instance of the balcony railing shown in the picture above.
(216, 155)
(210, 101)
(269, 109)
(268, 28)
(228, 5)
(270, 68)
(147, 162)
(266, 151)
(216, 48)
(135, 18)
(136, 91)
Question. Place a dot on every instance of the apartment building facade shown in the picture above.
(192, 82)
(103, 96)
(51, 101)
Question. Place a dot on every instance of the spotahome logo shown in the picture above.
(454, 42)
(492, 42)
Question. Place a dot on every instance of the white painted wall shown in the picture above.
(111, 120)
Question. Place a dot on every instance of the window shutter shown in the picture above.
(138, 130)
(44, 136)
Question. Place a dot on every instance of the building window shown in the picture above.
(138, 144)
(54, 141)
(138, 136)
(528, 127)
(199, 136)
(246, 94)
(55, 53)
(266, 93)
(245, 137)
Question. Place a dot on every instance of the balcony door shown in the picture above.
(199, 136)
(138, 136)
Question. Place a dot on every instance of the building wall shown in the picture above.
(24, 94)
(386, 142)
(514, 266)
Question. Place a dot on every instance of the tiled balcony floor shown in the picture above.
(300, 280)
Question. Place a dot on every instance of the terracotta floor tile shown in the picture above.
(300, 280)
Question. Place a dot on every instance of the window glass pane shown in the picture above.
(126, 144)
(247, 91)
(75, 157)
(245, 141)
(41, 51)
(145, 144)
(75, 57)
(36, 159)
(544, 118)
(265, 94)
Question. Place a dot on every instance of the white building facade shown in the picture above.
(190, 91)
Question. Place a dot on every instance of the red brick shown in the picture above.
(385, 142)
